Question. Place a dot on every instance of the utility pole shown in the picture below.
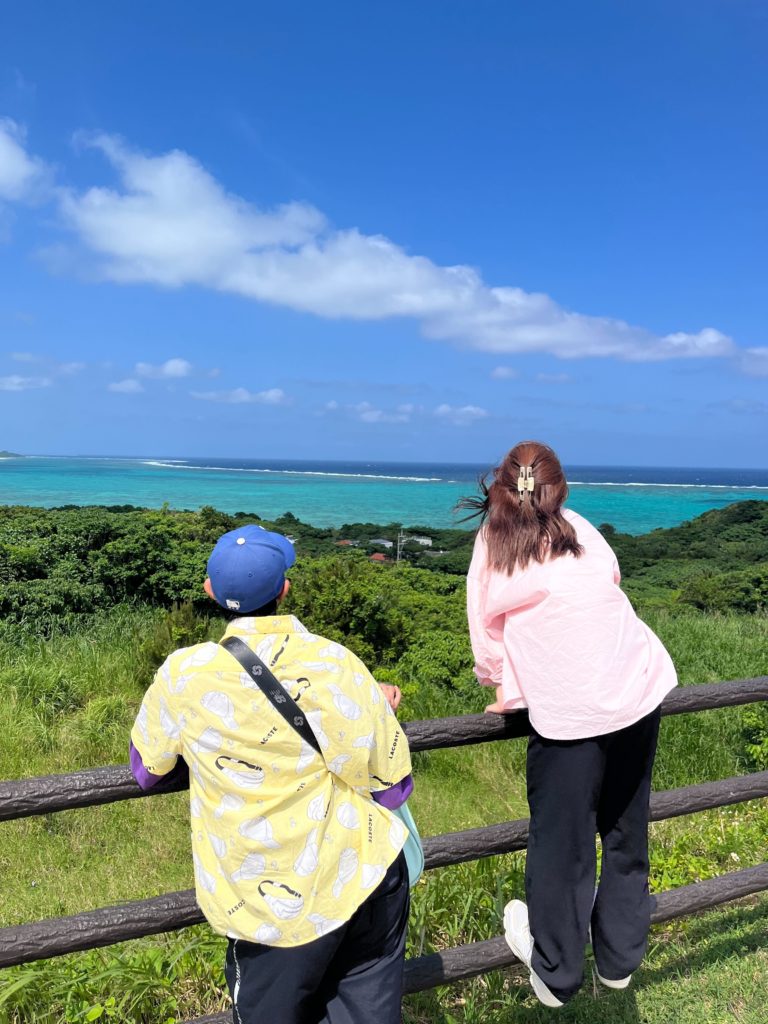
(401, 539)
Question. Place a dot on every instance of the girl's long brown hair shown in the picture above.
(518, 530)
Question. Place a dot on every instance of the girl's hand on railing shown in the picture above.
(497, 708)
(392, 694)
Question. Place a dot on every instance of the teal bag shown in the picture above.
(413, 850)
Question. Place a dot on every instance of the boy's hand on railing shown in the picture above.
(392, 694)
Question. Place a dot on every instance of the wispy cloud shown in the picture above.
(22, 176)
(461, 415)
(742, 406)
(17, 383)
(170, 369)
(241, 396)
(754, 362)
(504, 373)
(553, 378)
(170, 223)
(129, 386)
(51, 366)
(368, 413)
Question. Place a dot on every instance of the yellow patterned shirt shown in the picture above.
(286, 844)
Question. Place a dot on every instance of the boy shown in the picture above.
(297, 858)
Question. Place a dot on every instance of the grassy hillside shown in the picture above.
(88, 600)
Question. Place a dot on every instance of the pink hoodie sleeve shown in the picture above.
(486, 637)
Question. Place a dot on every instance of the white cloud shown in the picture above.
(754, 362)
(17, 383)
(22, 176)
(240, 396)
(171, 368)
(170, 223)
(504, 373)
(129, 386)
(173, 224)
(460, 415)
(332, 406)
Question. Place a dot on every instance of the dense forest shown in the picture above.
(60, 562)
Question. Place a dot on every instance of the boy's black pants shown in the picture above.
(353, 975)
(575, 789)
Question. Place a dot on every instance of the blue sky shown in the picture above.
(404, 231)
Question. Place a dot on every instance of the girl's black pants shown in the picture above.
(577, 788)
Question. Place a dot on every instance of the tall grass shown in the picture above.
(68, 702)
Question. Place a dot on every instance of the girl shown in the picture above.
(552, 631)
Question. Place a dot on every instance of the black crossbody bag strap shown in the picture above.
(278, 697)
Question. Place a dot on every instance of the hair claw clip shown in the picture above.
(525, 481)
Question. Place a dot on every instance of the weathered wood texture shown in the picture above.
(475, 843)
(103, 927)
(468, 961)
(95, 928)
(45, 794)
(88, 788)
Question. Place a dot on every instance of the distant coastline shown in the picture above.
(334, 492)
(10, 455)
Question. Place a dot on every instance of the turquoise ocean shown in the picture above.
(633, 499)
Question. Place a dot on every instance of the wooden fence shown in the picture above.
(94, 928)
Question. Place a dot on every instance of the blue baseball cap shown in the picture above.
(247, 567)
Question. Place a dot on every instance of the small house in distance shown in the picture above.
(347, 543)
(381, 542)
(426, 542)
(379, 556)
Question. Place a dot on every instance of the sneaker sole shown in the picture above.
(610, 983)
(545, 995)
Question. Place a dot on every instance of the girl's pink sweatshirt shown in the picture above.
(561, 639)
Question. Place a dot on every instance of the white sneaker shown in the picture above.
(613, 982)
(517, 932)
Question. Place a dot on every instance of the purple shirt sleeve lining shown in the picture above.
(145, 779)
(396, 795)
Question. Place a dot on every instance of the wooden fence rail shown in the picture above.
(107, 925)
(47, 793)
(171, 911)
